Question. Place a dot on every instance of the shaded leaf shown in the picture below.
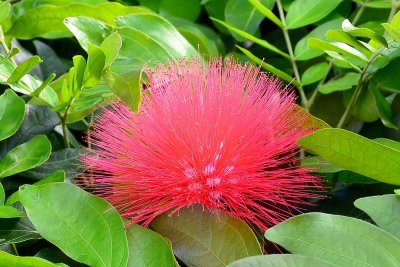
(17, 230)
(26, 156)
(216, 242)
(187, 9)
(102, 242)
(12, 113)
(383, 106)
(346, 82)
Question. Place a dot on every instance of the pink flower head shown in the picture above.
(220, 135)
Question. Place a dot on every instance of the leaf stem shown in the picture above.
(357, 17)
(291, 54)
(14, 247)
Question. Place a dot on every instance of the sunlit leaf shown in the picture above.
(12, 113)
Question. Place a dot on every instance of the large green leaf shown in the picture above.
(341, 240)
(280, 260)
(12, 112)
(200, 238)
(355, 153)
(187, 9)
(148, 248)
(160, 31)
(26, 156)
(244, 16)
(16, 261)
(48, 20)
(84, 227)
(384, 210)
(305, 12)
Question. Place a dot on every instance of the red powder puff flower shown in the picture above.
(220, 135)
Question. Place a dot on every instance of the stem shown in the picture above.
(349, 110)
(291, 54)
(65, 133)
(358, 15)
(393, 10)
(14, 247)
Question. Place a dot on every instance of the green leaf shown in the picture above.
(24, 68)
(161, 31)
(38, 120)
(17, 261)
(303, 52)
(383, 106)
(250, 37)
(101, 242)
(315, 73)
(187, 9)
(346, 82)
(385, 78)
(305, 12)
(375, 3)
(126, 82)
(199, 238)
(51, 62)
(347, 38)
(365, 110)
(110, 47)
(267, 13)
(395, 34)
(88, 30)
(65, 159)
(319, 165)
(12, 113)
(26, 156)
(355, 153)
(311, 122)
(17, 230)
(384, 210)
(280, 260)
(148, 248)
(284, 76)
(10, 212)
(388, 142)
(94, 67)
(395, 23)
(341, 240)
(244, 16)
(363, 32)
(48, 21)
(4, 11)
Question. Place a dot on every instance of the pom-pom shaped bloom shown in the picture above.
(220, 135)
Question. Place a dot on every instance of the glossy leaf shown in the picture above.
(250, 37)
(110, 47)
(316, 235)
(346, 82)
(355, 153)
(267, 13)
(244, 16)
(303, 52)
(17, 261)
(148, 248)
(17, 230)
(12, 113)
(24, 68)
(384, 210)
(48, 21)
(305, 12)
(26, 156)
(161, 31)
(94, 66)
(388, 142)
(280, 260)
(344, 37)
(315, 73)
(363, 32)
(215, 241)
(102, 242)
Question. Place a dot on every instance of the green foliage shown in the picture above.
(341, 57)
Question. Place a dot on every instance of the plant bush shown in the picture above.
(62, 60)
